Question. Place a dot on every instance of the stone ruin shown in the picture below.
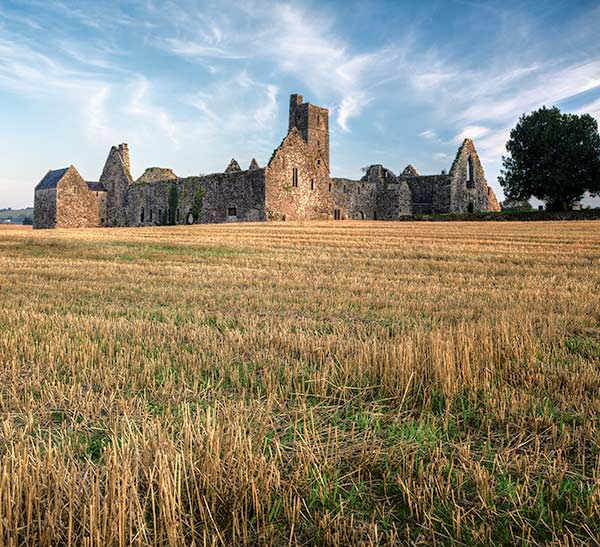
(295, 185)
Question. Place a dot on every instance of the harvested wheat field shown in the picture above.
(352, 383)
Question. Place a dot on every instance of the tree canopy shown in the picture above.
(554, 157)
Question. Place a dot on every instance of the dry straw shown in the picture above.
(301, 384)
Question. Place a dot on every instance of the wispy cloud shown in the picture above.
(195, 51)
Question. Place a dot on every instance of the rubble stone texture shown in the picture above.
(295, 185)
(153, 174)
(64, 200)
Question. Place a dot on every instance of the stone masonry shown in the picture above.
(295, 185)
(64, 200)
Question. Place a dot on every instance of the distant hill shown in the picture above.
(15, 216)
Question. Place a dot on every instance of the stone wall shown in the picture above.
(297, 186)
(393, 200)
(356, 199)
(154, 174)
(430, 193)
(116, 178)
(475, 196)
(392, 194)
(312, 122)
(44, 208)
(76, 206)
(229, 197)
(100, 199)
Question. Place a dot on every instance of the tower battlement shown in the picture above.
(312, 122)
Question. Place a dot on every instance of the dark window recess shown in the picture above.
(470, 177)
(177, 215)
(295, 177)
(312, 184)
(330, 186)
(232, 212)
(337, 214)
(471, 207)
(150, 215)
(142, 215)
(318, 163)
(345, 189)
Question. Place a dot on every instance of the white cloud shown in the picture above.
(471, 132)
(428, 134)
(352, 105)
(96, 114)
(140, 105)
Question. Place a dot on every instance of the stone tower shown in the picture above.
(116, 178)
(313, 124)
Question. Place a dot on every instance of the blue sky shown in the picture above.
(191, 84)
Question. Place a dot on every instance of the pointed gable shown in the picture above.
(466, 149)
(253, 165)
(117, 166)
(293, 138)
(233, 167)
(410, 171)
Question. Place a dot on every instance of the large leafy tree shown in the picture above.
(554, 157)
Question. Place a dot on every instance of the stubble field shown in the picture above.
(352, 383)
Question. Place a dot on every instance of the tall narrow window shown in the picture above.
(142, 216)
(151, 215)
(295, 177)
(177, 216)
(330, 186)
(470, 177)
(471, 208)
(312, 184)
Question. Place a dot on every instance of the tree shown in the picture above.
(198, 204)
(28, 220)
(516, 205)
(173, 203)
(554, 157)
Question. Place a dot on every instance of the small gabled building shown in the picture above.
(63, 199)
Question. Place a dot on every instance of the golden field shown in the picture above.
(351, 383)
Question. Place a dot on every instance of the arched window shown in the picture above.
(470, 175)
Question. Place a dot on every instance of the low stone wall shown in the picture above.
(229, 197)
